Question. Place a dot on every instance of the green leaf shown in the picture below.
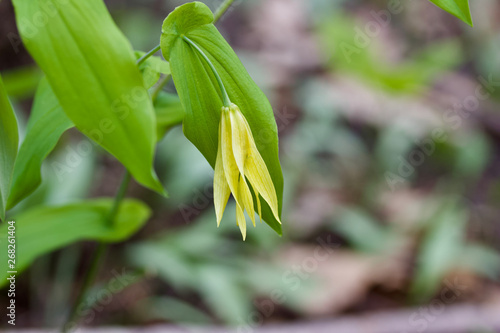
(200, 95)
(46, 125)
(9, 140)
(91, 67)
(169, 113)
(44, 229)
(151, 68)
(458, 8)
(441, 249)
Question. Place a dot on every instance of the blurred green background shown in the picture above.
(390, 135)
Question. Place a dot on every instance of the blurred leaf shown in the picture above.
(394, 142)
(44, 229)
(223, 294)
(440, 250)
(168, 263)
(482, 260)
(91, 68)
(197, 87)
(9, 140)
(473, 152)
(46, 125)
(353, 51)
(169, 113)
(458, 8)
(363, 232)
(22, 82)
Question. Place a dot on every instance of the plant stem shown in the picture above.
(97, 256)
(159, 86)
(225, 97)
(147, 55)
(222, 9)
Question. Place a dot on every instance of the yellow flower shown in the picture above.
(238, 166)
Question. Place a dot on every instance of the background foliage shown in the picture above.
(389, 143)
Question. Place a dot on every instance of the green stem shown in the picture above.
(159, 86)
(225, 97)
(222, 9)
(147, 55)
(96, 258)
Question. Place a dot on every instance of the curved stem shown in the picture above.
(225, 97)
(222, 9)
(147, 55)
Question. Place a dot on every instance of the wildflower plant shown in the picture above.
(228, 118)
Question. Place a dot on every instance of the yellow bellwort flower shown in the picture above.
(238, 166)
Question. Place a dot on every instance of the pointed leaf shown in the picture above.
(9, 140)
(458, 8)
(91, 67)
(46, 124)
(44, 229)
(201, 97)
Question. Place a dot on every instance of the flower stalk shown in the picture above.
(225, 98)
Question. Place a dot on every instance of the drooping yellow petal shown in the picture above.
(259, 177)
(241, 222)
(221, 187)
(239, 136)
(255, 168)
(229, 164)
(246, 198)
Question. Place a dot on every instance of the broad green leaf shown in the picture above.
(46, 124)
(200, 95)
(459, 8)
(151, 68)
(169, 113)
(91, 68)
(9, 140)
(44, 229)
